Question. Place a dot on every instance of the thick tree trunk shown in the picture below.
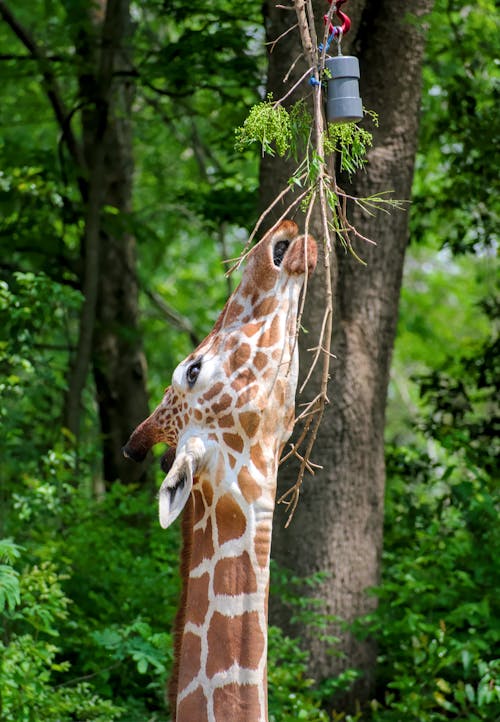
(113, 340)
(337, 527)
(118, 360)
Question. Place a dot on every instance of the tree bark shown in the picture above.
(116, 352)
(337, 527)
(118, 360)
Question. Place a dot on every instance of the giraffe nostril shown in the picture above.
(279, 252)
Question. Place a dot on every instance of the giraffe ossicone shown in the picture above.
(226, 417)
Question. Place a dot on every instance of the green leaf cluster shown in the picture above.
(31, 646)
(275, 128)
(455, 195)
(291, 693)
(437, 619)
(351, 143)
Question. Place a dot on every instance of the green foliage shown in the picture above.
(291, 693)
(9, 578)
(89, 616)
(279, 130)
(35, 312)
(267, 123)
(31, 661)
(439, 608)
(437, 621)
(138, 642)
(351, 142)
(455, 196)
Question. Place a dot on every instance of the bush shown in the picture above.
(33, 604)
(437, 621)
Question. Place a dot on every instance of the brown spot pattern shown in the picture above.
(203, 546)
(226, 422)
(249, 421)
(197, 601)
(272, 335)
(235, 576)
(258, 458)
(250, 329)
(222, 404)
(233, 441)
(240, 356)
(233, 312)
(267, 276)
(199, 506)
(231, 342)
(237, 639)
(245, 378)
(265, 307)
(247, 395)
(230, 520)
(190, 659)
(235, 702)
(193, 707)
(214, 391)
(260, 360)
(208, 493)
(248, 486)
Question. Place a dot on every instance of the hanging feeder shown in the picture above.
(344, 104)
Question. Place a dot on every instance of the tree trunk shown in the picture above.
(118, 359)
(337, 527)
(116, 352)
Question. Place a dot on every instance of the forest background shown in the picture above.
(88, 582)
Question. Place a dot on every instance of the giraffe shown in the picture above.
(226, 417)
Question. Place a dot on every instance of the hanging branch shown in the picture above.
(305, 18)
(273, 126)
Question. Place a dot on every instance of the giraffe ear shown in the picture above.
(177, 485)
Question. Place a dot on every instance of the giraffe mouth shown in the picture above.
(279, 251)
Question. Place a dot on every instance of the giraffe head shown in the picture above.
(233, 397)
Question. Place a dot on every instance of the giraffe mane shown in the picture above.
(180, 617)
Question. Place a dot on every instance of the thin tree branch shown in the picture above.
(50, 82)
(173, 316)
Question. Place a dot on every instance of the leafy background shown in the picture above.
(88, 582)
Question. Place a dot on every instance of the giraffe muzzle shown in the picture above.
(145, 436)
(134, 453)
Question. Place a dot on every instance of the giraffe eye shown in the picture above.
(279, 251)
(192, 373)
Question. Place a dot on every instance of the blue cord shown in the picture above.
(328, 42)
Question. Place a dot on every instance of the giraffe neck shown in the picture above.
(221, 649)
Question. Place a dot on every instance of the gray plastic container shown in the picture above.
(344, 104)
